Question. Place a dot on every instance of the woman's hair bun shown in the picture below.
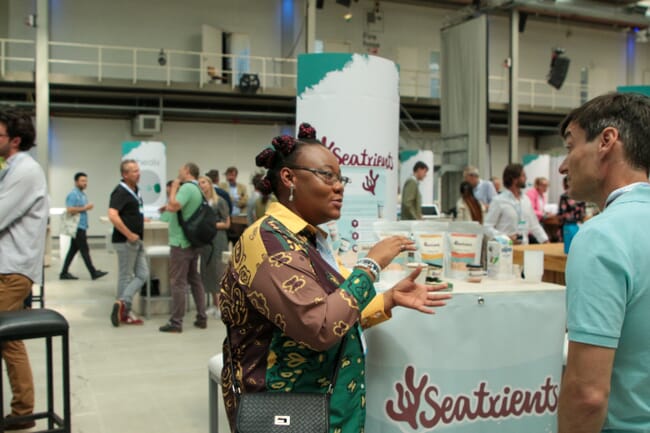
(306, 131)
(264, 186)
(284, 144)
(265, 158)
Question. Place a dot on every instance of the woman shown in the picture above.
(211, 265)
(284, 300)
(468, 208)
(570, 213)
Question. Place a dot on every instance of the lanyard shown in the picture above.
(136, 196)
(620, 191)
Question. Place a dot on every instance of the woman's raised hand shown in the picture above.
(384, 251)
(407, 293)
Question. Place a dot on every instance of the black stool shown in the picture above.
(43, 323)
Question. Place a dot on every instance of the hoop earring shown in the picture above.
(291, 193)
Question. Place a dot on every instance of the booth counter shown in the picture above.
(489, 361)
(554, 260)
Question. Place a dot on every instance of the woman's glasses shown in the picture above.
(326, 176)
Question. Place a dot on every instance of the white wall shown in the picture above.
(94, 146)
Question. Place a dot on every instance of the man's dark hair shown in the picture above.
(193, 169)
(629, 113)
(232, 169)
(213, 175)
(420, 165)
(19, 124)
(510, 173)
(79, 174)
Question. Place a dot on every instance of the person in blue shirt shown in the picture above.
(606, 384)
(484, 190)
(77, 203)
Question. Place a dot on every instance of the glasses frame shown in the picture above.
(328, 177)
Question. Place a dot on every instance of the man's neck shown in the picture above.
(515, 190)
(130, 184)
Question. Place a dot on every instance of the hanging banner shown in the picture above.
(353, 101)
(152, 158)
(489, 362)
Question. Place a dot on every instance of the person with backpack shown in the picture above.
(185, 198)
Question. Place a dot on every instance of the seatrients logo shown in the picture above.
(423, 405)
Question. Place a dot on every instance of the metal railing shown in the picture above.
(138, 65)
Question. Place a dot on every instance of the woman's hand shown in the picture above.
(384, 251)
(407, 293)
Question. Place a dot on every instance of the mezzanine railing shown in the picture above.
(138, 65)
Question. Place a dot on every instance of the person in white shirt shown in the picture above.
(511, 213)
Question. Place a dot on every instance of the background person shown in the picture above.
(570, 213)
(537, 196)
(77, 203)
(284, 292)
(496, 182)
(211, 265)
(468, 208)
(125, 212)
(23, 221)
(214, 177)
(511, 212)
(483, 189)
(606, 383)
(239, 198)
(411, 197)
(184, 196)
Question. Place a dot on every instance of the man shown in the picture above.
(77, 203)
(537, 196)
(411, 197)
(214, 177)
(125, 211)
(23, 221)
(511, 213)
(606, 384)
(496, 182)
(185, 196)
(237, 192)
(484, 190)
(239, 198)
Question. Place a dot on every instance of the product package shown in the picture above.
(465, 247)
(499, 257)
(431, 242)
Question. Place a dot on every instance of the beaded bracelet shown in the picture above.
(371, 266)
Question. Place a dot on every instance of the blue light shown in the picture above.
(287, 8)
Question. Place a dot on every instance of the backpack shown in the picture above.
(201, 227)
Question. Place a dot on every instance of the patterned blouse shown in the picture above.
(287, 310)
(571, 211)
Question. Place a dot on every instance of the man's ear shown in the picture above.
(608, 139)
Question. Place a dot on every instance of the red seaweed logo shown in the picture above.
(424, 405)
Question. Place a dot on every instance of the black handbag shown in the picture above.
(283, 412)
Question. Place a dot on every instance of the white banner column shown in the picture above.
(513, 103)
(42, 84)
(353, 101)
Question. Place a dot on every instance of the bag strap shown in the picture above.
(236, 387)
(179, 212)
